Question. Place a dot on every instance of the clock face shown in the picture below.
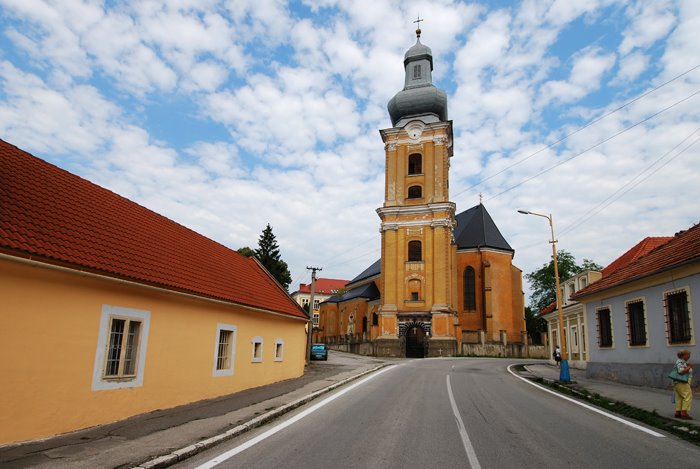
(414, 133)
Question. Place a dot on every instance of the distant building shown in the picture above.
(445, 281)
(108, 310)
(324, 288)
(642, 313)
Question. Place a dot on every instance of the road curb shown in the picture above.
(189, 451)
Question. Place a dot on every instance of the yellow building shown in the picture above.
(108, 310)
(443, 279)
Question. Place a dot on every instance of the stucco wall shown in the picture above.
(49, 328)
(646, 365)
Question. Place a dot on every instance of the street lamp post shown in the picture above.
(564, 375)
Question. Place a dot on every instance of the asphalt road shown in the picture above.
(461, 413)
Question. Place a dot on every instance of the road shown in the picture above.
(461, 413)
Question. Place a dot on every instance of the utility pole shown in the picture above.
(311, 312)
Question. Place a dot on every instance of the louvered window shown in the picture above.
(415, 251)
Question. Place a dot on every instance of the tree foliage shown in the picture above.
(268, 253)
(542, 284)
(246, 251)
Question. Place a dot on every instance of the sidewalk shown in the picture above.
(649, 399)
(186, 429)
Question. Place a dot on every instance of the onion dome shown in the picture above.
(419, 99)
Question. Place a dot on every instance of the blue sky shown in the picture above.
(228, 115)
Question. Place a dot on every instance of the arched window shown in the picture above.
(415, 192)
(415, 251)
(469, 289)
(415, 163)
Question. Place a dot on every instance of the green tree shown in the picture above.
(246, 251)
(268, 253)
(535, 325)
(543, 290)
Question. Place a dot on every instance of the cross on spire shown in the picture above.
(418, 26)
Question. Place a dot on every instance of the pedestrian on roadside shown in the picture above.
(557, 355)
(682, 376)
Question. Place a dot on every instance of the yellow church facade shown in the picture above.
(443, 279)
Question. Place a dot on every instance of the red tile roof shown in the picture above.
(682, 249)
(324, 286)
(53, 216)
(641, 248)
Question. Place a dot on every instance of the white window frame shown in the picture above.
(279, 350)
(316, 319)
(231, 352)
(257, 340)
(99, 381)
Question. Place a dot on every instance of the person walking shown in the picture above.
(682, 376)
(557, 355)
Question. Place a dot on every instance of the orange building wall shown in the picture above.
(500, 306)
(49, 327)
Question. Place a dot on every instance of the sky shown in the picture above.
(228, 115)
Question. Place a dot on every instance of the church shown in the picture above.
(445, 280)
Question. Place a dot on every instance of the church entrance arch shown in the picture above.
(416, 342)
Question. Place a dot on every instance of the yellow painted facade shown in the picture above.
(49, 328)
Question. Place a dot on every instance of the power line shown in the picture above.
(593, 146)
(632, 184)
(578, 130)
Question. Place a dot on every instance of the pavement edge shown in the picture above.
(189, 451)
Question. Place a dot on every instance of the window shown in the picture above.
(257, 349)
(121, 348)
(316, 303)
(279, 350)
(414, 296)
(416, 72)
(605, 338)
(584, 282)
(304, 301)
(636, 323)
(469, 289)
(415, 251)
(415, 192)
(678, 317)
(316, 318)
(375, 319)
(224, 350)
(415, 164)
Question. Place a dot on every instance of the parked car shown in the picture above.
(319, 352)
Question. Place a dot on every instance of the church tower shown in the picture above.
(417, 316)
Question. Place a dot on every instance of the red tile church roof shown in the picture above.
(52, 216)
(682, 249)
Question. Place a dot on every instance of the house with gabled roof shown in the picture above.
(642, 313)
(108, 309)
(574, 318)
(324, 288)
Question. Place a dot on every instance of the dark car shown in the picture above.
(319, 352)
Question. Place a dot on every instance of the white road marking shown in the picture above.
(586, 406)
(238, 449)
(471, 454)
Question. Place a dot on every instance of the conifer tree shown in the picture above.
(268, 253)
